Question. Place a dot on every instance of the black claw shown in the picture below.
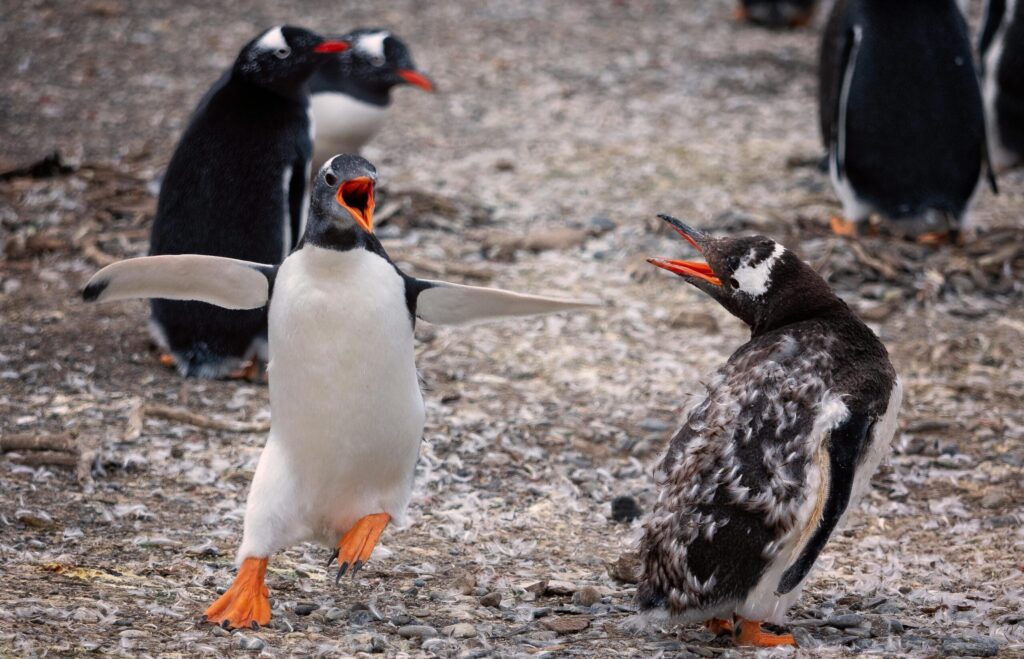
(254, 625)
(226, 624)
(355, 568)
(332, 558)
(341, 572)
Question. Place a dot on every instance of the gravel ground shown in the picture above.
(560, 129)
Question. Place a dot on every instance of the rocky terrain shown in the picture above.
(557, 133)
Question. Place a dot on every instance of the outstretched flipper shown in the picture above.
(442, 303)
(227, 283)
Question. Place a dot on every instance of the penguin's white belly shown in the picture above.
(343, 124)
(347, 409)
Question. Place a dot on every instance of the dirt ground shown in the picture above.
(558, 131)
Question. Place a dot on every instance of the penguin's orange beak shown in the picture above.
(331, 47)
(416, 79)
(687, 268)
(356, 196)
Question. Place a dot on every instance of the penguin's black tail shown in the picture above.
(199, 361)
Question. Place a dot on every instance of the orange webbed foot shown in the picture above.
(167, 360)
(718, 626)
(739, 13)
(750, 633)
(939, 238)
(252, 371)
(842, 227)
(246, 602)
(357, 544)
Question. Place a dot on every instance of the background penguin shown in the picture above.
(344, 392)
(1002, 60)
(901, 115)
(235, 187)
(767, 465)
(776, 13)
(352, 92)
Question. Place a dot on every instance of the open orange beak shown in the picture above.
(686, 268)
(356, 196)
(331, 47)
(416, 79)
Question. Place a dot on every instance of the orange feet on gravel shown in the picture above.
(717, 626)
(750, 634)
(739, 13)
(245, 604)
(842, 227)
(357, 544)
(166, 359)
(936, 238)
(251, 371)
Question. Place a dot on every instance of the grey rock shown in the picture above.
(360, 617)
(401, 619)
(970, 646)
(305, 609)
(251, 643)
(651, 424)
(492, 599)
(417, 631)
(334, 614)
(586, 596)
(378, 644)
(1002, 521)
(460, 630)
(845, 621)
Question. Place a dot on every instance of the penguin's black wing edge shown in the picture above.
(845, 446)
(228, 283)
(444, 303)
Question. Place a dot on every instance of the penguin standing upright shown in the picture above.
(235, 187)
(901, 115)
(344, 392)
(352, 92)
(1002, 60)
(767, 465)
(776, 13)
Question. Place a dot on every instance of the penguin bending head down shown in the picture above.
(236, 187)
(346, 408)
(767, 465)
(351, 93)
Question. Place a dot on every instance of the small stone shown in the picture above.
(401, 619)
(538, 588)
(419, 583)
(567, 624)
(558, 587)
(251, 643)
(360, 617)
(586, 596)
(305, 609)
(334, 614)
(625, 509)
(970, 646)
(378, 644)
(460, 630)
(995, 499)
(602, 224)
(845, 621)
(417, 631)
(1002, 521)
(466, 584)
(651, 424)
(34, 518)
(492, 599)
(541, 612)
(626, 569)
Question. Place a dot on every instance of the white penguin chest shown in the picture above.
(344, 391)
(343, 124)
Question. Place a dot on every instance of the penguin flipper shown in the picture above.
(227, 283)
(845, 445)
(442, 303)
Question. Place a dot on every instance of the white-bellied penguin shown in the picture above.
(774, 455)
(1002, 87)
(901, 116)
(776, 13)
(352, 92)
(236, 187)
(346, 408)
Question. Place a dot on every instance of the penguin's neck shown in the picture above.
(327, 234)
(289, 91)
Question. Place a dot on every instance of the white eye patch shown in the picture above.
(373, 44)
(273, 40)
(753, 279)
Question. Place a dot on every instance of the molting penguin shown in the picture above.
(344, 393)
(1002, 58)
(235, 187)
(776, 13)
(769, 463)
(352, 92)
(901, 115)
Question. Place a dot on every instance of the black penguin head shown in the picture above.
(755, 278)
(284, 57)
(343, 193)
(376, 62)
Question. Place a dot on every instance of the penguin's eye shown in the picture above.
(735, 284)
(377, 60)
(331, 179)
(282, 53)
(732, 263)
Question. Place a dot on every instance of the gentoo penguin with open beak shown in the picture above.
(236, 187)
(1002, 87)
(901, 116)
(352, 92)
(346, 408)
(776, 13)
(780, 449)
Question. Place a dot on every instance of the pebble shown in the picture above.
(625, 509)
(251, 643)
(466, 584)
(970, 646)
(305, 609)
(334, 614)
(845, 621)
(35, 518)
(651, 424)
(360, 617)
(586, 596)
(1002, 521)
(567, 624)
(417, 631)
(460, 630)
(492, 599)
